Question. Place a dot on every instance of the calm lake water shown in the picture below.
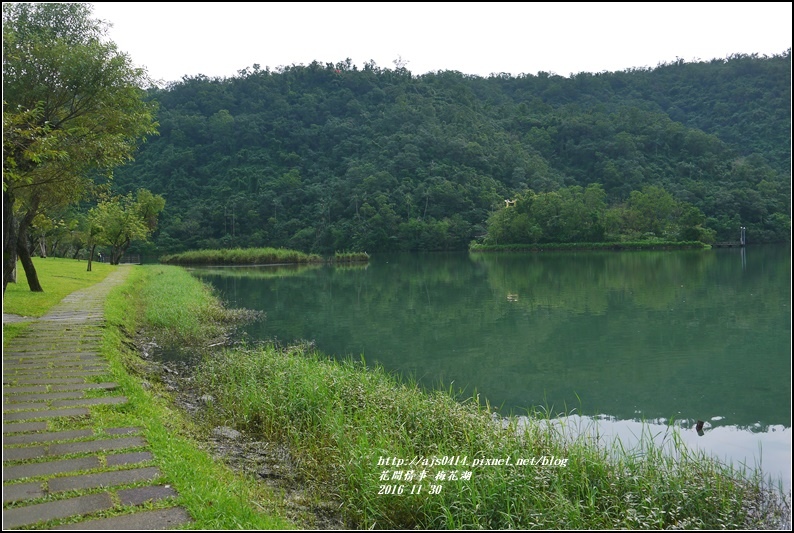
(618, 337)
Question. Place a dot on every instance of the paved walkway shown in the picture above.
(52, 472)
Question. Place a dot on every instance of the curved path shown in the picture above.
(58, 477)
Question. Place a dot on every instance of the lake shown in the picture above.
(621, 338)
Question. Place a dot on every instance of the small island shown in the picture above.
(258, 256)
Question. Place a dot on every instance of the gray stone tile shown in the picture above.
(24, 426)
(22, 491)
(29, 515)
(33, 438)
(84, 386)
(50, 413)
(109, 400)
(22, 380)
(145, 520)
(140, 495)
(32, 388)
(128, 458)
(103, 479)
(43, 397)
(52, 450)
(50, 467)
(23, 406)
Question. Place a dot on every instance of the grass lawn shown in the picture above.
(58, 277)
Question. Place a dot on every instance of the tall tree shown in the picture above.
(73, 109)
(118, 222)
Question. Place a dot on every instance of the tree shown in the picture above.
(120, 221)
(73, 109)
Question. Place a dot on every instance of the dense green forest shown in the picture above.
(331, 157)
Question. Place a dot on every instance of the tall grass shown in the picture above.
(180, 309)
(241, 256)
(341, 419)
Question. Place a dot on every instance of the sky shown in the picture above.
(218, 39)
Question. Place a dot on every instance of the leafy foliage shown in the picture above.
(328, 157)
(72, 107)
(118, 222)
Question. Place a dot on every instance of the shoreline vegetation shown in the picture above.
(339, 420)
(342, 425)
(258, 256)
(586, 246)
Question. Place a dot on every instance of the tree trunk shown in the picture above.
(90, 257)
(22, 246)
(27, 264)
(9, 241)
(118, 252)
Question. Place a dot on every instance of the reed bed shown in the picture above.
(241, 256)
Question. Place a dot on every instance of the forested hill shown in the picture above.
(332, 157)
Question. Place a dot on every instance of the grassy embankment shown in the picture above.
(215, 497)
(577, 246)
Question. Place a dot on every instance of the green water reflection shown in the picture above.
(635, 335)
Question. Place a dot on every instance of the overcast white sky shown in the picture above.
(218, 39)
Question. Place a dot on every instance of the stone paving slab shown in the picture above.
(24, 390)
(169, 518)
(50, 468)
(31, 514)
(140, 495)
(34, 438)
(57, 355)
(41, 381)
(50, 413)
(23, 406)
(50, 361)
(56, 371)
(11, 370)
(131, 458)
(110, 400)
(32, 452)
(24, 426)
(103, 479)
(22, 491)
(84, 386)
(71, 395)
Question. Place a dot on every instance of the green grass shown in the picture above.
(179, 308)
(241, 256)
(214, 495)
(339, 419)
(58, 277)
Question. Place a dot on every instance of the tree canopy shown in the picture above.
(73, 109)
(325, 157)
